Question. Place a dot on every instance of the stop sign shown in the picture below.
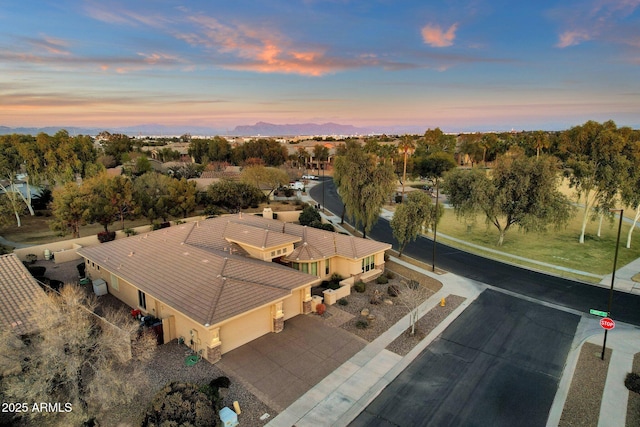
(607, 323)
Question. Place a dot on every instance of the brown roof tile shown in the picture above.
(18, 289)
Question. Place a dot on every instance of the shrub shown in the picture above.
(382, 280)
(389, 274)
(220, 382)
(320, 309)
(81, 269)
(180, 404)
(130, 232)
(333, 285)
(398, 198)
(343, 301)
(393, 291)
(362, 324)
(37, 270)
(335, 277)
(632, 382)
(360, 287)
(106, 236)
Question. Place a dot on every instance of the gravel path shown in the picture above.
(582, 407)
(406, 342)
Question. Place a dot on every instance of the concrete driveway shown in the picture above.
(279, 368)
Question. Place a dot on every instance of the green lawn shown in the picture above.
(559, 248)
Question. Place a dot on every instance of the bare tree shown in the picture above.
(86, 363)
(411, 295)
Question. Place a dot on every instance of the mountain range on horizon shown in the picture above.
(258, 129)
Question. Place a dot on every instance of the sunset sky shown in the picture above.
(458, 64)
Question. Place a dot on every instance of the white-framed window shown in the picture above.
(114, 282)
(368, 263)
(326, 266)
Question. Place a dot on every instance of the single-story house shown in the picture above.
(222, 282)
(18, 290)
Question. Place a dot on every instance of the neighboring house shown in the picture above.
(222, 282)
(18, 290)
(20, 185)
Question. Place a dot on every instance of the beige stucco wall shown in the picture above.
(288, 216)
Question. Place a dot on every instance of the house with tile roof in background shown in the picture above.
(220, 283)
(18, 290)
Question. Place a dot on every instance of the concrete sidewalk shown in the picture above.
(342, 395)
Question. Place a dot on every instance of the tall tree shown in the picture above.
(70, 209)
(364, 185)
(151, 192)
(630, 191)
(523, 192)
(233, 196)
(407, 144)
(182, 197)
(410, 217)
(595, 159)
(320, 154)
(111, 199)
(92, 363)
(265, 178)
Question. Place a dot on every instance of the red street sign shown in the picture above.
(607, 323)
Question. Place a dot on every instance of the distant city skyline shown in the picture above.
(461, 65)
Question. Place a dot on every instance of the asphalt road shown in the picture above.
(489, 368)
(564, 292)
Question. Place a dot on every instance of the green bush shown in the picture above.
(362, 324)
(333, 285)
(382, 280)
(360, 287)
(632, 382)
(335, 277)
(343, 301)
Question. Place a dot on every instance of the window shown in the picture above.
(114, 282)
(295, 266)
(368, 263)
(273, 253)
(304, 267)
(313, 268)
(142, 300)
(326, 266)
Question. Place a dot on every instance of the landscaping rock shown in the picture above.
(365, 312)
(388, 302)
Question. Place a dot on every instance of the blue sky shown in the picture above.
(457, 65)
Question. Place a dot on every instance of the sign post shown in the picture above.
(610, 324)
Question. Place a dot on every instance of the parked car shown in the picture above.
(296, 185)
(311, 177)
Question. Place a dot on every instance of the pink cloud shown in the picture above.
(263, 50)
(572, 38)
(435, 36)
(598, 20)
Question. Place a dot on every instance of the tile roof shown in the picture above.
(200, 268)
(18, 289)
(205, 283)
(256, 236)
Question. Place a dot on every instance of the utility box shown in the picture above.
(100, 287)
(228, 417)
